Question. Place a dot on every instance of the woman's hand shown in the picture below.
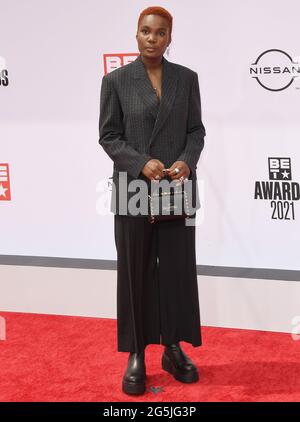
(153, 169)
(184, 171)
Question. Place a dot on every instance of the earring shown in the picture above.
(168, 51)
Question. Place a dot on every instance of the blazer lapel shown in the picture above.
(145, 90)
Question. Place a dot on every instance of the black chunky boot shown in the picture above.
(178, 364)
(134, 380)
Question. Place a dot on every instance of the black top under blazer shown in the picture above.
(134, 126)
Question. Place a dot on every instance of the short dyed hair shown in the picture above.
(156, 10)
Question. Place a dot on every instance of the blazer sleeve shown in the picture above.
(195, 128)
(111, 132)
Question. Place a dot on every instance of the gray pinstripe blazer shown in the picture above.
(134, 126)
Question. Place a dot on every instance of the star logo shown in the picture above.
(3, 190)
(285, 174)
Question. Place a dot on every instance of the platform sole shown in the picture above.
(186, 377)
(133, 388)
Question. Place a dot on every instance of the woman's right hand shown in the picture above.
(154, 168)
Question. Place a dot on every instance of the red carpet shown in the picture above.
(57, 358)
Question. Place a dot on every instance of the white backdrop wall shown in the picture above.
(53, 52)
(52, 62)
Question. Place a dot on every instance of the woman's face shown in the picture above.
(153, 36)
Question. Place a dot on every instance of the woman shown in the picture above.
(150, 126)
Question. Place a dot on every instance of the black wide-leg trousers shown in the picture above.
(157, 291)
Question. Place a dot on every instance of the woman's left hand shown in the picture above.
(184, 171)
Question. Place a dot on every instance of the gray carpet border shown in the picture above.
(102, 264)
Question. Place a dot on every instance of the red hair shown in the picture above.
(156, 10)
